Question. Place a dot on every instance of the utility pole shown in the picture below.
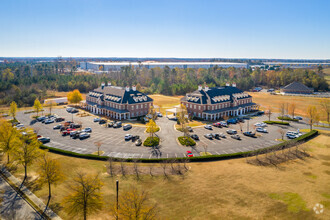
(117, 205)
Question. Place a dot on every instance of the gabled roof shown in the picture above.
(215, 95)
(120, 95)
(297, 86)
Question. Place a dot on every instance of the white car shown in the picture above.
(260, 124)
(231, 131)
(97, 119)
(260, 129)
(20, 126)
(128, 137)
(84, 135)
(87, 130)
(159, 114)
(209, 127)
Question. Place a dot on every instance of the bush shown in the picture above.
(287, 119)
(186, 141)
(276, 122)
(150, 142)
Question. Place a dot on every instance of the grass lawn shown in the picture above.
(230, 189)
(302, 103)
(165, 102)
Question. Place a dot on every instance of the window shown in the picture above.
(212, 107)
(132, 114)
(199, 114)
(208, 108)
(137, 106)
(187, 105)
(190, 106)
(133, 108)
(199, 107)
(194, 106)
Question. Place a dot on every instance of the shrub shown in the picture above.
(150, 142)
(156, 130)
(277, 122)
(287, 118)
(186, 141)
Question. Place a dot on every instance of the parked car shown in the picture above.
(75, 125)
(128, 137)
(110, 124)
(84, 135)
(127, 127)
(189, 129)
(44, 139)
(138, 142)
(222, 135)
(57, 127)
(262, 124)
(135, 137)
(260, 112)
(216, 136)
(217, 124)
(291, 136)
(88, 130)
(97, 119)
(236, 136)
(262, 130)
(42, 118)
(117, 125)
(189, 154)
(298, 118)
(74, 110)
(249, 134)
(232, 121)
(68, 131)
(209, 127)
(102, 121)
(208, 136)
(270, 90)
(49, 121)
(231, 131)
(159, 114)
(59, 119)
(75, 134)
(223, 124)
(20, 126)
(69, 109)
(194, 136)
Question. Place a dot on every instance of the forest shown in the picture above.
(23, 82)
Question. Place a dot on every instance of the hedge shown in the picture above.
(150, 142)
(156, 130)
(277, 122)
(186, 141)
(304, 137)
(287, 118)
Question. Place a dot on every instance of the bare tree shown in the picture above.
(98, 144)
(269, 112)
(325, 104)
(313, 116)
(205, 149)
(136, 169)
(150, 170)
(164, 165)
(122, 167)
(282, 109)
(111, 167)
(292, 109)
(282, 132)
(80, 124)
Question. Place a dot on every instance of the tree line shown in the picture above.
(24, 82)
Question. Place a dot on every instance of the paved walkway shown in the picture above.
(30, 195)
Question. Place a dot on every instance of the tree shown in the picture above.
(151, 127)
(8, 138)
(50, 104)
(292, 109)
(13, 109)
(37, 105)
(269, 112)
(312, 115)
(182, 118)
(134, 204)
(50, 172)
(282, 132)
(282, 109)
(85, 196)
(27, 152)
(74, 97)
(98, 144)
(325, 104)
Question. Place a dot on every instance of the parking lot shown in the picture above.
(114, 144)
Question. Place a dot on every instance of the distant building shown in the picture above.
(215, 103)
(297, 65)
(297, 88)
(63, 100)
(116, 66)
(118, 102)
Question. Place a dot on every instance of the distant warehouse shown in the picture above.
(116, 66)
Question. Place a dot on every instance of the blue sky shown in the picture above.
(178, 28)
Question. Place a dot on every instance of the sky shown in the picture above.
(288, 29)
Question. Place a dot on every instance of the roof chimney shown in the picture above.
(234, 85)
(200, 87)
(102, 85)
(227, 84)
(109, 83)
(134, 88)
(206, 88)
(127, 88)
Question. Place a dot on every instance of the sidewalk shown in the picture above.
(29, 194)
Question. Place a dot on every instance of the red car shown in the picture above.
(68, 131)
(189, 154)
(217, 124)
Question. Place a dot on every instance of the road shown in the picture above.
(13, 206)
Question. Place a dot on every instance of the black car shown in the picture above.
(40, 119)
(110, 124)
(102, 121)
(135, 137)
(249, 134)
(59, 119)
(189, 129)
(194, 136)
(75, 125)
(76, 134)
(216, 136)
(44, 139)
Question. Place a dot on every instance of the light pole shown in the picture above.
(117, 189)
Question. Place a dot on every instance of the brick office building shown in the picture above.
(118, 102)
(217, 102)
